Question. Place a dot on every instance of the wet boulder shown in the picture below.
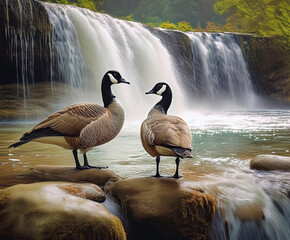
(270, 163)
(56, 211)
(25, 30)
(99, 177)
(164, 208)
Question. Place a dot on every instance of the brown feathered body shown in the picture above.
(82, 125)
(165, 135)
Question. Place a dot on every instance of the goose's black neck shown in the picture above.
(165, 102)
(107, 94)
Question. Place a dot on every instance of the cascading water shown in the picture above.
(89, 44)
(251, 207)
(220, 73)
(21, 54)
(71, 65)
(83, 45)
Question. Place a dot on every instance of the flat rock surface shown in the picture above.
(270, 163)
(161, 208)
(70, 174)
(56, 211)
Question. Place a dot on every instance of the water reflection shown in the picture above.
(220, 142)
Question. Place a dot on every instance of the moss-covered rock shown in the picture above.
(164, 209)
(49, 211)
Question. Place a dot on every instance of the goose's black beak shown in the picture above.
(150, 92)
(122, 80)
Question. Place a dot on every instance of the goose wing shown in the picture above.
(72, 119)
(167, 131)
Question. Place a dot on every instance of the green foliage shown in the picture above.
(181, 26)
(154, 21)
(263, 17)
(168, 25)
(184, 26)
(129, 18)
(210, 27)
(93, 5)
(157, 12)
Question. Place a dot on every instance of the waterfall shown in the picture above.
(250, 209)
(220, 73)
(78, 46)
(21, 53)
(89, 44)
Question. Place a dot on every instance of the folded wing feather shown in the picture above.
(168, 131)
(71, 120)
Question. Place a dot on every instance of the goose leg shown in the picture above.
(86, 163)
(157, 175)
(75, 153)
(176, 175)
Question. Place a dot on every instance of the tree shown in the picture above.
(184, 26)
(168, 25)
(229, 27)
(129, 18)
(210, 26)
(157, 12)
(198, 28)
(264, 17)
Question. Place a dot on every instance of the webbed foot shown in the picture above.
(156, 175)
(97, 167)
(176, 176)
(82, 167)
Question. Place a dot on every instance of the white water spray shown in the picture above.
(221, 74)
(92, 43)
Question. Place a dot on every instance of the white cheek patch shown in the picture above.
(161, 90)
(112, 78)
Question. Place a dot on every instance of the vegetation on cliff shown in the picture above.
(93, 5)
(262, 17)
(265, 17)
(195, 12)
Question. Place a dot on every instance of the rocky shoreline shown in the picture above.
(66, 203)
(69, 207)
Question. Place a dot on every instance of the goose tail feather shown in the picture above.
(38, 133)
(182, 152)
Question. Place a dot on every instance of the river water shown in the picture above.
(221, 141)
(223, 144)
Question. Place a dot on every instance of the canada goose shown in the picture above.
(165, 135)
(82, 125)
